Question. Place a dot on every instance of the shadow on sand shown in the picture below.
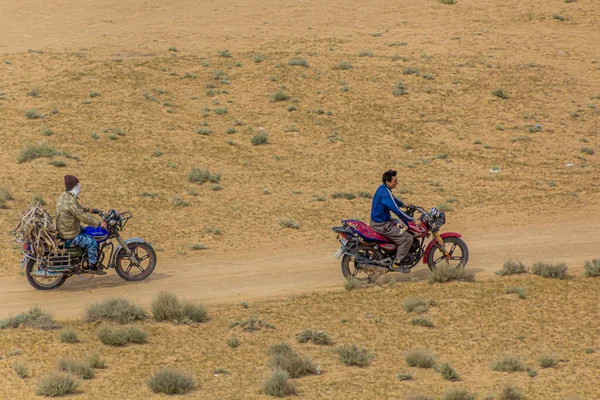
(74, 284)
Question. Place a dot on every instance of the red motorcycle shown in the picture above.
(366, 255)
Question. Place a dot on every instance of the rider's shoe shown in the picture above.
(97, 270)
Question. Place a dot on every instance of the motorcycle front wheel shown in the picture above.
(39, 282)
(458, 250)
(130, 271)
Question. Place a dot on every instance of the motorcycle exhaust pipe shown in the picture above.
(48, 274)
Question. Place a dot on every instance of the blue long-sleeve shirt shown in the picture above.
(384, 202)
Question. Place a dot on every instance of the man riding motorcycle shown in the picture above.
(69, 215)
(384, 202)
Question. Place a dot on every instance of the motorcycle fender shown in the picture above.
(119, 247)
(433, 241)
(338, 254)
(25, 260)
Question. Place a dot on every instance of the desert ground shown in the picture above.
(488, 109)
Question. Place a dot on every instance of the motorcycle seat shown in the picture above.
(365, 231)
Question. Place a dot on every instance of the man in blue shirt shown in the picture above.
(384, 202)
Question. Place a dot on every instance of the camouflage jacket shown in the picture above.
(69, 215)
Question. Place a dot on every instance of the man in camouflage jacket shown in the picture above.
(69, 216)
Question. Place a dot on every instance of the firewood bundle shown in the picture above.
(37, 228)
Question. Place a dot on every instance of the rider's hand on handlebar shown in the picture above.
(103, 224)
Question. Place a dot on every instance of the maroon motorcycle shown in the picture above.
(366, 255)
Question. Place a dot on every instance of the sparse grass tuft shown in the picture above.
(343, 195)
(35, 92)
(33, 114)
(511, 393)
(167, 307)
(547, 361)
(451, 2)
(554, 271)
(289, 223)
(285, 358)
(365, 53)
(458, 394)
(279, 96)
(21, 368)
(511, 268)
(422, 321)
(251, 324)
(298, 61)
(404, 376)
(317, 337)
(353, 284)
(233, 342)
(500, 93)
(221, 110)
(415, 304)
(5, 196)
(68, 335)
(224, 53)
(259, 138)
(34, 318)
(171, 381)
(81, 369)
(57, 163)
(509, 364)
(113, 336)
(95, 361)
(448, 373)
(34, 151)
(399, 89)
(57, 384)
(116, 309)
(446, 273)
(592, 268)
(343, 66)
(198, 175)
(516, 290)
(278, 386)
(587, 150)
(351, 355)
(419, 358)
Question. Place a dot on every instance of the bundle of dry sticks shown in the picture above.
(37, 228)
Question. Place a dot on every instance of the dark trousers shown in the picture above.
(391, 231)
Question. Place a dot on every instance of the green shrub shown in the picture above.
(33, 114)
(419, 358)
(509, 364)
(512, 267)
(136, 335)
(298, 61)
(47, 131)
(203, 131)
(289, 223)
(171, 381)
(317, 337)
(547, 361)
(116, 309)
(35, 151)
(365, 53)
(201, 176)
(285, 358)
(95, 361)
(343, 195)
(35, 92)
(451, 2)
(166, 307)
(343, 66)
(511, 393)
(34, 318)
(500, 93)
(448, 373)
(221, 110)
(260, 138)
(353, 355)
(21, 368)
(411, 71)
(279, 96)
(278, 386)
(224, 53)
(5, 196)
(251, 324)
(404, 376)
(446, 273)
(304, 336)
(399, 89)
(592, 268)
(81, 369)
(57, 384)
(458, 394)
(415, 304)
(516, 290)
(112, 336)
(233, 342)
(554, 271)
(68, 335)
(365, 195)
(422, 321)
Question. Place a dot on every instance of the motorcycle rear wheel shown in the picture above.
(41, 283)
(146, 256)
(350, 268)
(458, 250)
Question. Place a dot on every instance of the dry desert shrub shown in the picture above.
(317, 337)
(511, 268)
(509, 364)
(554, 271)
(166, 307)
(198, 175)
(259, 138)
(95, 361)
(34, 318)
(419, 358)
(547, 361)
(285, 358)
(416, 304)
(289, 223)
(422, 321)
(511, 393)
(298, 61)
(516, 290)
(343, 66)
(354, 355)
(57, 384)
(5, 196)
(352, 283)
(21, 368)
(446, 273)
(592, 268)
(68, 335)
(34, 151)
(117, 309)
(251, 324)
(233, 342)
(459, 394)
(277, 385)
(114, 336)
(172, 381)
(75, 367)
(448, 373)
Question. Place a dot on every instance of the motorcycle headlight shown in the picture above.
(434, 212)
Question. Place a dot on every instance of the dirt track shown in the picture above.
(257, 275)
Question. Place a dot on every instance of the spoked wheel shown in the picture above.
(458, 250)
(40, 282)
(351, 268)
(130, 271)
